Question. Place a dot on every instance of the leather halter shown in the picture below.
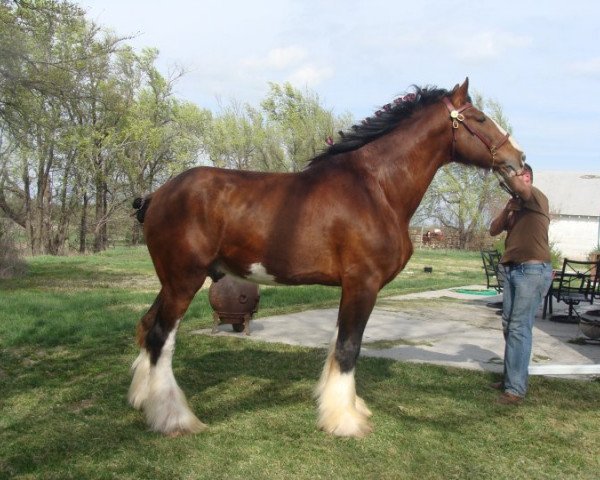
(458, 118)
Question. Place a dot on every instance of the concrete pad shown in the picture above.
(441, 327)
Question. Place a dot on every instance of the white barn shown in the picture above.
(574, 199)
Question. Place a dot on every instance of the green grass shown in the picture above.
(66, 344)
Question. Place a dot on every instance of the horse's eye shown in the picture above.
(481, 119)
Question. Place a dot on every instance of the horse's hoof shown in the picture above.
(197, 428)
(176, 426)
(362, 408)
(350, 423)
(167, 411)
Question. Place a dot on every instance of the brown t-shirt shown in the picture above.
(527, 237)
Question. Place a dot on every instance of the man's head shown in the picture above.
(527, 173)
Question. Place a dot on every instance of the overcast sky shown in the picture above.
(539, 59)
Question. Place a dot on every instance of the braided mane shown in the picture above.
(382, 122)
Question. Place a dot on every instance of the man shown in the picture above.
(528, 274)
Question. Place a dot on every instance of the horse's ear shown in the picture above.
(460, 93)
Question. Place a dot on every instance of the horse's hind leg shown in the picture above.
(139, 388)
(341, 411)
(154, 388)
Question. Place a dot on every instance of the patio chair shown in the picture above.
(493, 274)
(577, 282)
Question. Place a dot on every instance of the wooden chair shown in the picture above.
(577, 282)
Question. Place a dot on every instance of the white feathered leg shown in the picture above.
(341, 412)
(138, 391)
(155, 390)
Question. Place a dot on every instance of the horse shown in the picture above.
(432, 237)
(341, 221)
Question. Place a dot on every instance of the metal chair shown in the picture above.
(577, 282)
(493, 274)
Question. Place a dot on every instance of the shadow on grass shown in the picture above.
(75, 276)
(65, 405)
(64, 375)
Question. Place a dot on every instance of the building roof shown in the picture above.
(570, 193)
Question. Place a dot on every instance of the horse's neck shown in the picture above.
(407, 166)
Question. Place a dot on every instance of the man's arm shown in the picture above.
(500, 223)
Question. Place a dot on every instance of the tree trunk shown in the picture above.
(34, 244)
(59, 238)
(83, 224)
(98, 221)
(101, 230)
(104, 226)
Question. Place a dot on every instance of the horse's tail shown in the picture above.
(141, 205)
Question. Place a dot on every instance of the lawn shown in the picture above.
(66, 344)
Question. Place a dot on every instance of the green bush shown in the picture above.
(11, 261)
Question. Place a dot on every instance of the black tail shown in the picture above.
(141, 205)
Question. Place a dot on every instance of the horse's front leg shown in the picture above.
(341, 411)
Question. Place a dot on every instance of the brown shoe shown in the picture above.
(497, 385)
(509, 399)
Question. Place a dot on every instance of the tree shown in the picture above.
(303, 124)
(161, 135)
(241, 137)
(289, 129)
(231, 140)
(87, 124)
(45, 75)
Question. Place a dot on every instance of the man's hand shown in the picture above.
(513, 205)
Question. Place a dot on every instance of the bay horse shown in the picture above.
(341, 221)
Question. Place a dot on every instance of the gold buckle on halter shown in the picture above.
(456, 117)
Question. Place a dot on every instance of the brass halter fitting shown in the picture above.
(456, 117)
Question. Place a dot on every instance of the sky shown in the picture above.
(540, 60)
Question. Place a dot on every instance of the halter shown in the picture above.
(457, 118)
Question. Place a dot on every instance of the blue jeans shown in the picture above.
(525, 286)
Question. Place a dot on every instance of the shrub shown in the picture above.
(11, 260)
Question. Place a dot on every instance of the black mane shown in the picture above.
(384, 121)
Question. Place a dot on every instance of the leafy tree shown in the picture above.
(289, 129)
(161, 135)
(43, 74)
(303, 124)
(92, 124)
(241, 137)
(231, 141)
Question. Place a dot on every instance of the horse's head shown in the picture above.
(479, 140)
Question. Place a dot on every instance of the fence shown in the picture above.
(448, 239)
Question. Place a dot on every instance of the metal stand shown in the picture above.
(239, 322)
